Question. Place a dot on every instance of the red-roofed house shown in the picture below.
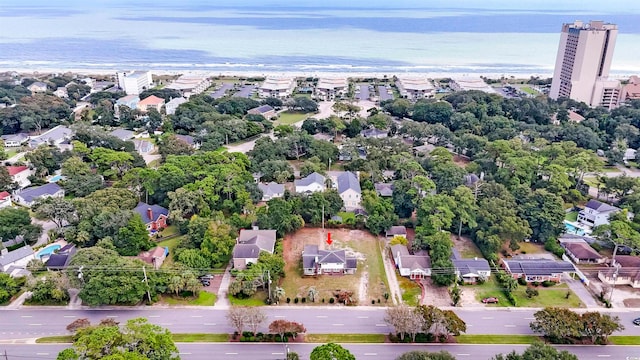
(151, 102)
(5, 199)
(154, 256)
(20, 175)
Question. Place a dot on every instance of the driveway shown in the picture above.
(581, 292)
(247, 146)
(389, 268)
(46, 226)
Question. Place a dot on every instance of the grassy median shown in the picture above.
(497, 339)
(344, 338)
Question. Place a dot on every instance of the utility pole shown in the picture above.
(329, 168)
(615, 280)
(144, 271)
(6, 357)
(269, 284)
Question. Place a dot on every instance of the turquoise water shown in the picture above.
(55, 178)
(48, 251)
(571, 229)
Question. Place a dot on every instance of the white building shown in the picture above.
(331, 88)
(415, 88)
(277, 87)
(56, 136)
(20, 175)
(271, 190)
(18, 258)
(469, 83)
(135, 82)
(312, 183)
(348, 186)
(584, 58)
(28, 196)
(596, 213)
(190, 84)
(173, 104)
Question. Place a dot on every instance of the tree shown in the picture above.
(6, 181)
(598, 326)
(557, 324)
(440, 322)
(237, 318)
(45, 159)
(278, 215)
(312, 294)
(172, 145)
(284, 327)
(133, 238)
(456, 294)
(538, 351)
(465, 209)
(331, 351)
(425, 355)
(111, 162)
(136, 340)
(57, 209)
(8, 287)
(17, 222)
(404, 320)
(254, 317)
(78, 324)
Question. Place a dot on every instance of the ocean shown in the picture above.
(261, 37)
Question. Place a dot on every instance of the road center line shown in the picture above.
(196, 316)
(209, 324)
(277, 353)
(370, 354)
(463, 354)
(337, 324)
(321, 316)
(35, 324)
(184, 353)
(381, 325)
(26, 316)
(604, 355)
(112, 316)
(278, 316)
(363, 317)
(231, 353)
(487, 318)
(509, 326)
(154, 316)
(69, 316)
(42, 354)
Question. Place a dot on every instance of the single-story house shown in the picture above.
(472, 270)
(384, 189)
(396, 231)
(143, 146)
(61, 92)
(5, 199)
(153, 216)
(190, 140)
(37, 87)
(580, 252)
(265, 110)
(538, 269)
(55, 136)
(412, 266)
(16, 258)
(154, 256)
(61, 258)
(329, 262)
(250, 244)
(28, 196)
(596, 213)
(15, 140)
(312, 183)
(374, 133)
(130, 101)
(271, 190)
(122, 134)
(20, 175)
(625, 271)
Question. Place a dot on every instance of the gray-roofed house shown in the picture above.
(538, 269)
(61, 258)
(470, 270)
(153, 216)
(16, 258)
(271, 190)
(312, 183)
(250, 244)
(384, 189)
(412, 266)
(15, 140)
(349, 190)
(330, 262)
(190, 140)
(56, 136)
(374, 133)
(596, 213)
(28, 196)
(37, 87)
(122, 134)
(580, 252)
(265, 110)
(396, 231)
(143, 146)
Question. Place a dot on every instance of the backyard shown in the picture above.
(288, 117)
(369, 283)
(547, 296)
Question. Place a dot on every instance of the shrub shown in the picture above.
(378, 301)
(597, 247)
(531, 292)
(288, 300)
(535, 283)
(323, 300)
(373, 302)
(548, 283)
(522, 281)
(296, 300)
(304, 300)
(332, 300)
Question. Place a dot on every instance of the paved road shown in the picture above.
(36, 322)
(235, 351)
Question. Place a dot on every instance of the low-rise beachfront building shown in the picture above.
(277, 87)
(331, 88)
(265, 110)
(37, 87)
(190, 84)
(415, 88)
(469, 83)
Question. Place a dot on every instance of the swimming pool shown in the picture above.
(55, 178)
(572, 229)
(47, 251)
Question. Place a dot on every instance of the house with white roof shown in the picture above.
(130, 101)
(56, 136)
(597, 213)
(331, 88)
(250, 244)
(415, 88)
(277, 87)
(470, 83)
(122, 134)
(18, 258)
(37, 87)
(312, 183)
(173, 104)
(271, 190)
(61, 92)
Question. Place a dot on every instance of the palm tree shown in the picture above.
(278, 293)
(313, 294)
(175, 284)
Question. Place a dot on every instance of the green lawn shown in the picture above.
(344, 338)
(10, 152)
(62, 339)
(497, 339)
(259, 299)
(411, 291)
(170, 231)
(550, 296)
(571, 216)
(610, 169)
(204, 299)
(347, 215)
(624, 340)
(529, 90)
(187, 338)
(171, 244)
(531, 248)
(288, 118)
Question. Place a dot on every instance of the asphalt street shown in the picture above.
(37, 322)
(237, 351)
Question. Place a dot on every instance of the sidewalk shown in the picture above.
(222, 302)
(17, 303)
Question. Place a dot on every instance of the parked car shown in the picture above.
(636, 322)
(490, 300)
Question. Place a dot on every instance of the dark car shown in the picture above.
(636, 322)
(490, 300)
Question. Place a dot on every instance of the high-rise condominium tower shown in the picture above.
(583, 63)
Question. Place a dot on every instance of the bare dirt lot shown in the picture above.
(435, 295)
(369, 283)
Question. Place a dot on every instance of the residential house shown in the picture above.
(277, 87)
(20, 175)
(28, 196)
(153, 216)
(472, 270)
(312, 183)
(155, 256)
(396, 231)
(56, 136)
(416, 266)
(580, 252)
(37, 87)
(348, 187)
(384, 189)
(18, 258)
(172, 105)
(327, 262)
(415, 88)
(61, 92)
(189, 140)
(625, 270)
(331, 88)
(134, 82)
(250, 244)
(629, 154)
(271, 190)
(5, 199)
(265, 110)
(143, 147)
(537, 269)
(61, 258)
(15, 140)
(151, 102)
(122, 134)
(130, 101)
(596, 213)
(374, 133)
